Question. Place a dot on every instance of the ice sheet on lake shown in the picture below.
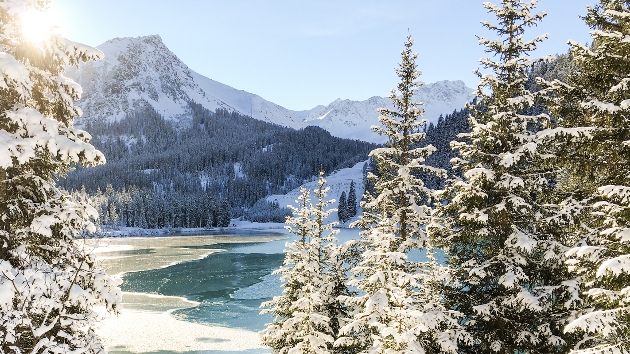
(134, 254)
(269, 287)
(112, 248)
(155, 302)
(147, 323)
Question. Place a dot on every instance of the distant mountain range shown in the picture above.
(139, 70)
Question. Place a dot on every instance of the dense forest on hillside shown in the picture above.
(226, 159)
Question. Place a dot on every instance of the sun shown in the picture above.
(36, 25)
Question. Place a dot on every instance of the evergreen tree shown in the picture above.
(337, 261)
(352, 201)
(502, 234)
(591, 138)
(282, 334)
(49, 283)
(342, 208)
(397, 309)
(308, 314)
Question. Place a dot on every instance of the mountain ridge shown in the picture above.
(143, 69)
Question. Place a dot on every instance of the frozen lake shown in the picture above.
(196, 294)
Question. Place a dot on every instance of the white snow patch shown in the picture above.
(129, 140)
(479, 172)
(204, 179)
(616, 266)
(325, 114)
(183, 300)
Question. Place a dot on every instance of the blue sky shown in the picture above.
(303, 53)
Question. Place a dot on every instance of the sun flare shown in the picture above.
(36, 25)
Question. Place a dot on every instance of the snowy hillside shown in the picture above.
(338, 181)
(138, 70)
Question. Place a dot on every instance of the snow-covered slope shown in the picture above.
(138, 70)
(249, 104)
(338, 181)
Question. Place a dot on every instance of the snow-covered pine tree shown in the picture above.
(308, 314)
(282, 334)
(49, 284)
(351, 203)
(337, 261)
(342, 208)
(592, 138)
(503, 237)
(397, 309)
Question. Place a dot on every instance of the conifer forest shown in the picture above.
(502, 227)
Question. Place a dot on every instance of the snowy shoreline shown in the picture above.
(238, 225)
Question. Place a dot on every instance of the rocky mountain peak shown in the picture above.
(135, 71)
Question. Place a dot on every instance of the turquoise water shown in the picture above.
(214, 280)
(211, 281)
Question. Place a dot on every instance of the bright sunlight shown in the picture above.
(36, 25)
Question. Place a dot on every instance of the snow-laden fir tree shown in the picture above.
(592, 139)
(49, 284)
(342, 208)
(308, 314)
(502, 234)
(397, 309)
(351, 202)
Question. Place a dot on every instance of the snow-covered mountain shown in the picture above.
(353, 119)
(139, 70)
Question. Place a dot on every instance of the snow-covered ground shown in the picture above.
(152, 332)
(338, 181)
